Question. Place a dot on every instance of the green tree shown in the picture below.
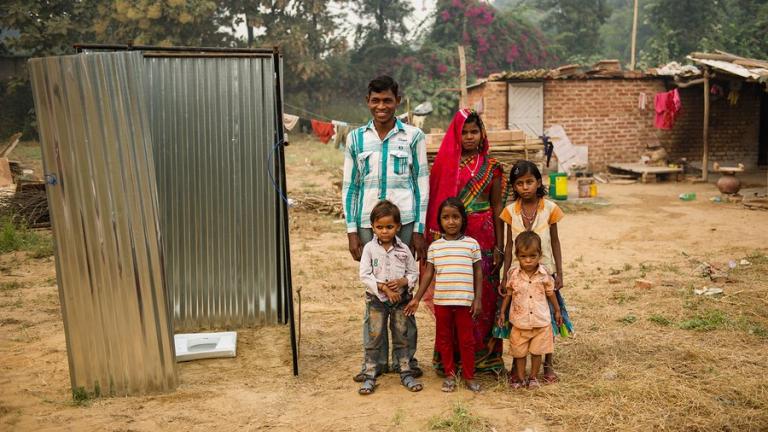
(383, 21)
(495, 40)
(616, 32)
(35, 28)
(681, 27)
(305, 31)
(744, 33)
(41, 28)
(574, 26)
(163, 22)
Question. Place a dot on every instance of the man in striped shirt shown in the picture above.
(386, 159)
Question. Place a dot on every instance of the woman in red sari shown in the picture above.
(463, 169)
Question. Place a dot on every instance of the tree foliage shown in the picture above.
(681, 27)
(495, 40)
(162, 22)
(381, 21)
(45, 27)
(745, 29)
(305, 31)
(574, 25)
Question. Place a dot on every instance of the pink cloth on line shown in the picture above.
(667, 106)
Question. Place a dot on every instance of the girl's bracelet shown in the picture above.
(499, 250)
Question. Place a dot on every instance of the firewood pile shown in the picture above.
(27, 206)
(507, 146)
(328, 203)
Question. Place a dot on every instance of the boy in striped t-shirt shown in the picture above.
(454, 263)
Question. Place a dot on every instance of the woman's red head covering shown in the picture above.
(444, 176)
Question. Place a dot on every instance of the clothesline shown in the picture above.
(326, 131)
(320, 116)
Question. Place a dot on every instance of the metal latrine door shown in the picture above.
(526, 107)
(97, 157)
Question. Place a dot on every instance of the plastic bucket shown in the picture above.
(558, 186)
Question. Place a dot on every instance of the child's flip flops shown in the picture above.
(367, 388)
(449, 385)
(411, 384)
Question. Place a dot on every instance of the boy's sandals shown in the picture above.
(368, 387)
(411, 384)
(533, 384)
(474, 386)
(449, 385)
(360, 377)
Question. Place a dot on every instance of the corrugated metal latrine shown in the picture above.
(102, 196)
(213, 122)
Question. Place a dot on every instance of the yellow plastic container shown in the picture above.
(558, 186)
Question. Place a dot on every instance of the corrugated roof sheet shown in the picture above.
(750, 69)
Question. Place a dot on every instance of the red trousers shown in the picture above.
(450, 321)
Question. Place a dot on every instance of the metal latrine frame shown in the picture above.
(210, 306)
(239, 302)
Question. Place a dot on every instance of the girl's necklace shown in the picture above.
(477, 163)
(528, 220)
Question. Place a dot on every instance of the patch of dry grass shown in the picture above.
(665, 359)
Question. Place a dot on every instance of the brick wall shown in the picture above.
(494, 96)
(733, 129)
(603, 114)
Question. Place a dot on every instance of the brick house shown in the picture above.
(601, 109)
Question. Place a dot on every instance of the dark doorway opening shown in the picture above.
(762, 152)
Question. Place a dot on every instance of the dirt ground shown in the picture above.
(641, 359)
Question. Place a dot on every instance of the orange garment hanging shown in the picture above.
(323, 130)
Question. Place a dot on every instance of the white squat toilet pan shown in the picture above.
(195, 346)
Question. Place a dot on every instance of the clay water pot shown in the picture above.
(728, 184)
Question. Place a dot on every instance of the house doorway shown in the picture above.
(526, 107)
(762, 152)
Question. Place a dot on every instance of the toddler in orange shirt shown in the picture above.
(529, 287)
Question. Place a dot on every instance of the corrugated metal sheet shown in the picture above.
(213, 122)
(98, 160)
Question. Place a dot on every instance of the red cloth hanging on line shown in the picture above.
(323, 130)
(667, 106)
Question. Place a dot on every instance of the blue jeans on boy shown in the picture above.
(378, 314)
(366, 235)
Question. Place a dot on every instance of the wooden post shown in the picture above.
(464, 101)
(249, 28)
(705, 157)
(634, 37)
(408, 110)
